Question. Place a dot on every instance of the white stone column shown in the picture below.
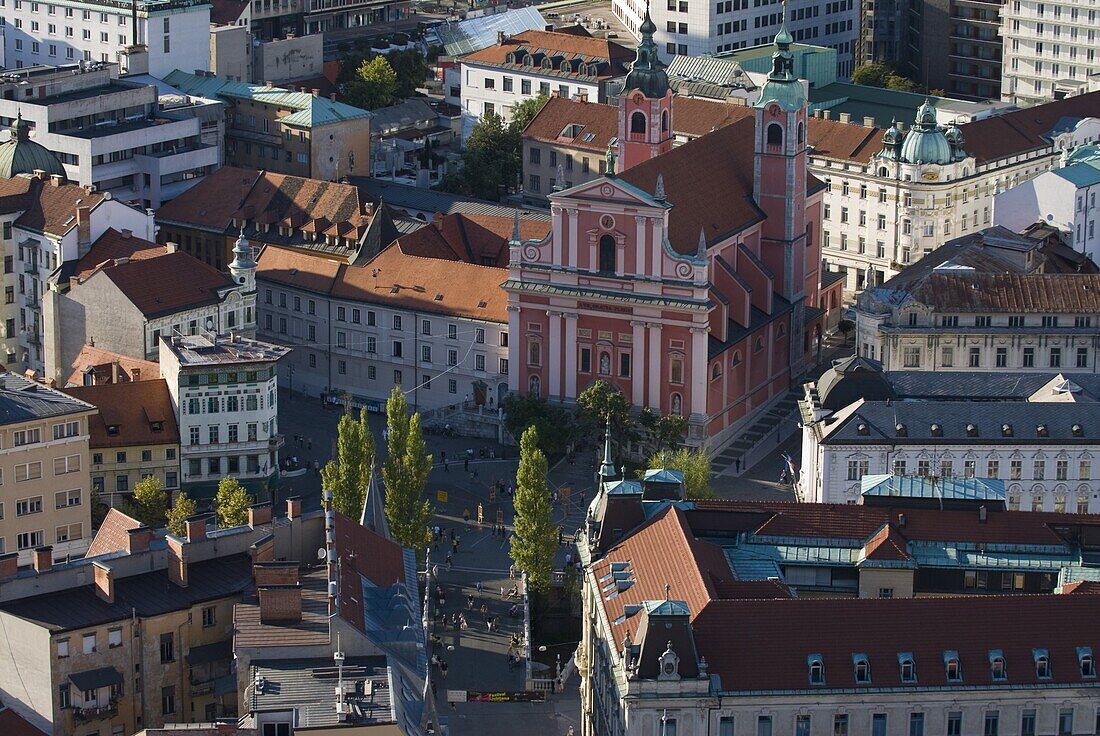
(637, 360)
(655, 359)
(570, 348)
(556, 236)
(639, 246)
(698, 370)
(573, 218)
(658, 248)
(516, 347)
(554, 354)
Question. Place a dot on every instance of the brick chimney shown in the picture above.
(195, 527)
(275, 573)
(9, 565)
(57, 180)
(43, 559)
(83, 230)
(177, 561)
(280, 603)
(259, 513)
(171, 247)
(104, 582)
(294, 507)
(437, 220)
(138, 539)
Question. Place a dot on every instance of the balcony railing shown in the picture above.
(95, 713)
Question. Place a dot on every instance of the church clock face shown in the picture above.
(638, 99)
(774, 110)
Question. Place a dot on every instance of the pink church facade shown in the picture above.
(690, 278)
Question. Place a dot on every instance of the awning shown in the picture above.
(95, 679)
(225, 685)
(210, 652)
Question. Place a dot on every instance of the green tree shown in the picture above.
(556, 425)
(411, 69)
(179, 513)
(524, 113)
(347, 476)
(602, 400)
(150, 502)
(232, 502)
(536, 537)
(877, 74)
(694, 464)
(374, 84)
(490, 163)
(405, 474)
(663, 432)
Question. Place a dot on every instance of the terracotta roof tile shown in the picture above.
(113, 244)
(300, 270)
(52, 209)
(1024, 130)
(169, 283)
(569, 45)
(1011, 292)
(101, 362)
(775, 638)
(133, 408)
(887, 545)
(227, 12)
(727, 178)
(599, 121)
(477, 239)
(844, 141)
(312, 630)
(694, 116)
(13, 724)
(113, 534)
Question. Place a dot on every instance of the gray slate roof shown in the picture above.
(22, 400)
(308, 686)
(980, 385)
(880, 419)
(401, 196)
(150, 594)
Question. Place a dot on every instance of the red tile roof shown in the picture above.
(1011, 292)
(844, 141)
(133, 408)
(13, 724)
(693, 116)
(102, 363)
(112, 245)
(765, 644)
(548, 43)
(113, 534)
(888, 545)
(727, 177)
(1024, 130)
(227, 12)
(293, 268)
(376, 558)
(168, 283)
(52, 209)
(471, 238)
(591, 118)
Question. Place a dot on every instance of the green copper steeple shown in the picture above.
(647, 73)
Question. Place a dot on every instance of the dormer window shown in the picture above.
(817, 669)
(863, 669)
(1006, 430)
(861, 429)
(1041, 430)
(908, 667)
(1042, 663)
(997, 670)
(953, 669)
(112, 430)
(1085, 659)
(158, 426)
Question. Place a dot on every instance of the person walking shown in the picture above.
(466, 465)
(479, 587)
(449, 563)
(454, 545)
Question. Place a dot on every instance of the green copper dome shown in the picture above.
(926, 143)
(783, 86)
(21, 155)
(647, 73)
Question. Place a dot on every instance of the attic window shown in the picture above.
(997, 669)
(482, 304)
(1078, 431)
(158, 426)
(439, 297)
(952, 667)
(971, 430)
(1088, 663)
(395, 289)
(937, 430)
(588, 137)
(1041, 430)
(1042, 664)
(817, 669)
(908, 667)
(571, 131)
(112, 430)
(1006, 430)
(863, 669)
(901, 430)
(861, 429)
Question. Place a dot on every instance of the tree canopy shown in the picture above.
(374, 84)
(150, 502)
(694, 464)
(876, 74)
(536, 538)
(349, 474)
(181, 510)
(231, 502)
(405, 473)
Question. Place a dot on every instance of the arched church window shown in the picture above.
(664, 121)
(637, 123)
(607, 254)
(775, 135)
(801, 133)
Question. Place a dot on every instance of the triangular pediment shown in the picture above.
(608, 189)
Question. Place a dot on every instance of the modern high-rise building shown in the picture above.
(1050, 49)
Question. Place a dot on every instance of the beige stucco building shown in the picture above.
(44, 485)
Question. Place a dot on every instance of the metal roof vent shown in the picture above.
(1006, 430)
(937, 430)
(861, 428)
(1041, 430)
(971, 430)
(901, 430)
(1078, 430)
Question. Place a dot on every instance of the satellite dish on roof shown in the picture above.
(321, 553)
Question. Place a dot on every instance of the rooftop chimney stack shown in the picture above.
(138, 539)
(104, 582)
(43, 559)
(9, 565)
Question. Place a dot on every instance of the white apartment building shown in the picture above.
(1064, 198)
(699, 27)
(43, 224)
(1041, 447)
(110, 132)
(439, 328)
(224, 391)
(176, 32)
(1050, 49)
(894, 195)
(531, 63)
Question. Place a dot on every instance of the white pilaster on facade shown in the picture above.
(570, 348)
(555, 355)
(573, 255)
(640, 251)
(514, 347)
(699, 370)
(637, 383)
(654, 365)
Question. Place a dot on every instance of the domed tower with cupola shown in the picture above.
(645, 104)
(243, 266)
(779, 169)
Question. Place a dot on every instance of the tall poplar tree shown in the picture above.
(405, 474)
(536, 537)
(348, 475)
